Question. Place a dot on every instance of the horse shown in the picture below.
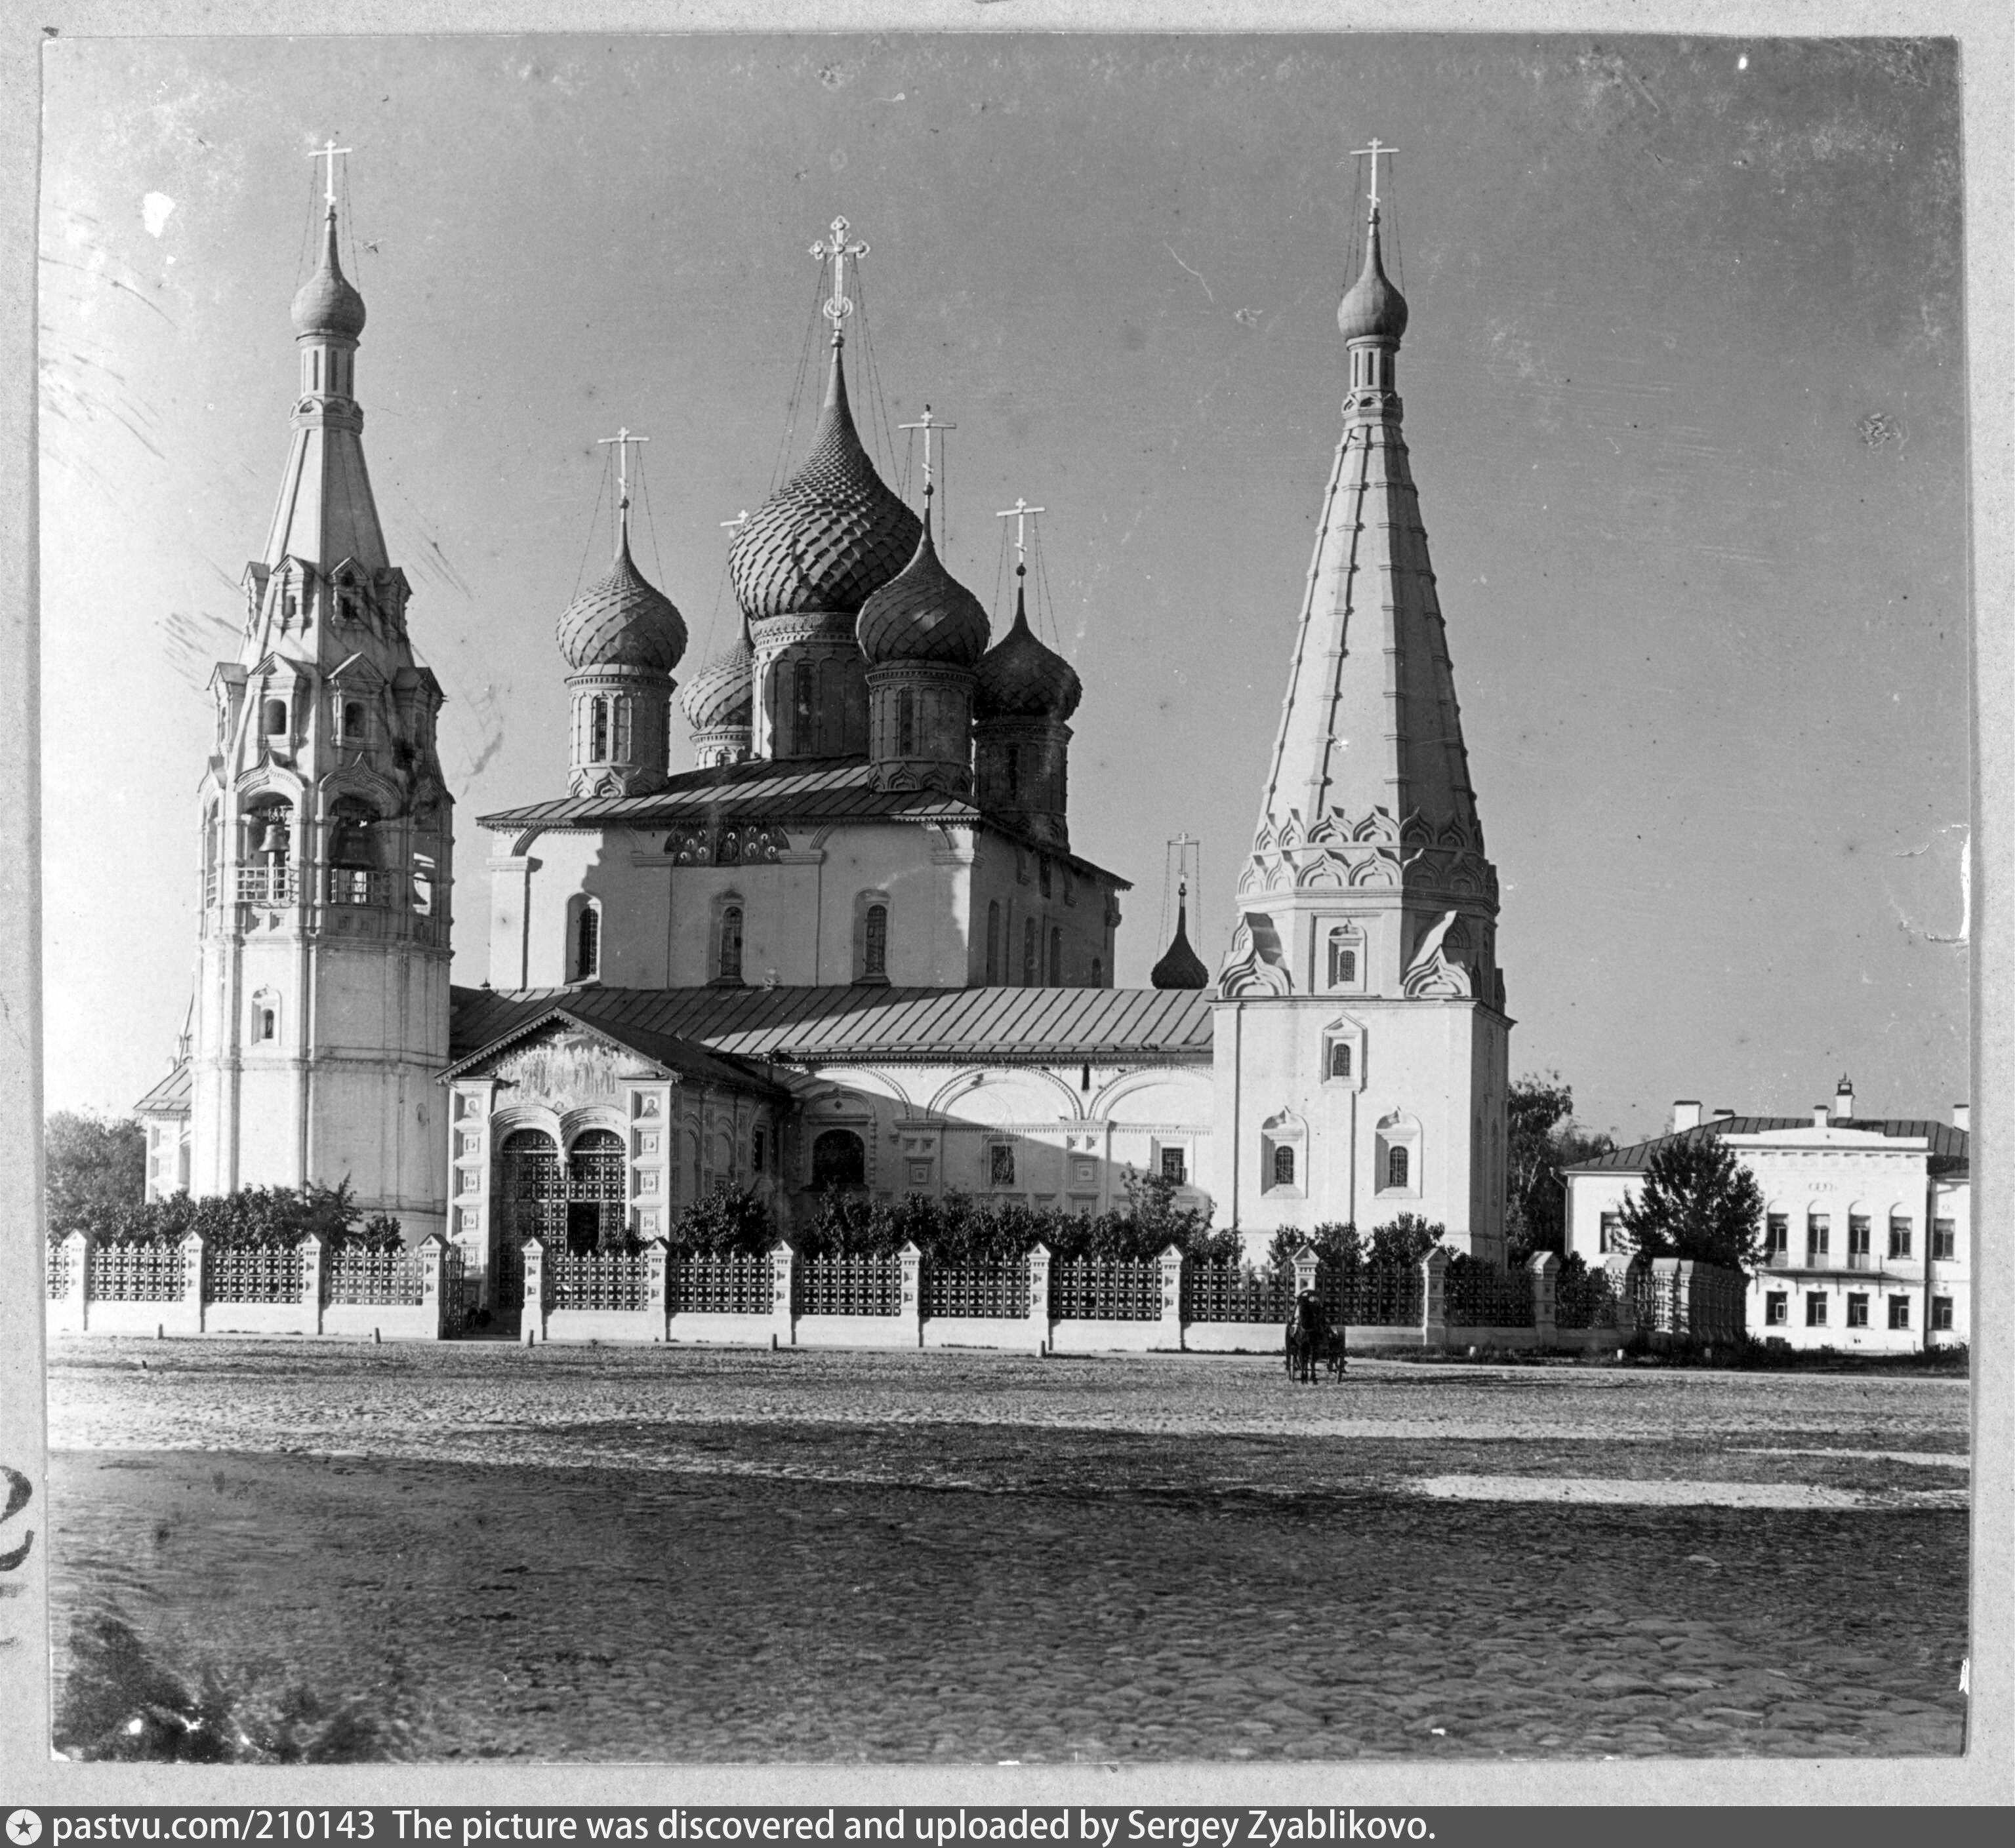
(1308, 1338)
(1335, 1349)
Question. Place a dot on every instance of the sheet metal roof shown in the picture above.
(830, 1025)
(171, 1097)
(664, 1050)
(808, 789)
(1948, 1154)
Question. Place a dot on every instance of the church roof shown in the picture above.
(814, 790)
(723, 693)
(830, 1025)
(923, 614)
(1371, 307)
(326, 303)
(1180, 966)
(171, 1097)
(1948, 1153)
(831, 535)
(622, 619)
(1020, 677)
(672, 1054)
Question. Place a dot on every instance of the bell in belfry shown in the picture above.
(273, 840)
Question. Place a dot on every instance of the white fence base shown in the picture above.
(1011, 1332)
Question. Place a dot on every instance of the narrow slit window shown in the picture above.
(993, 942)
(1028, 953)
(906, 723)
(730, 965)
(587, 944)
(874, 942)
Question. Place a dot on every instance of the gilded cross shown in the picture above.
(328, 151)
(1376, 150)
(927, 424)
(1019, 513)
(622, 439)
(835, 248)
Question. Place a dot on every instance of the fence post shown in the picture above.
(1624, 1273)
(1171, 1262)
(657, 1280)
(1039, 1295)
(74, 1315)
(1306, 1265)
(1665, 1283)
(1434, 1298)
(311, 1248)
(531, 1322)
(192, 1283)
(433, 1295)
(1543, 1268)
(909, 1324)
(783, 1280)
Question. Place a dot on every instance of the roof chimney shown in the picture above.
(1722, 1112)
(1818, 1116)
(1962, 1117)
(1843, 1098)
(1685, 1113)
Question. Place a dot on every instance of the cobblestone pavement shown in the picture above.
(713, 1555)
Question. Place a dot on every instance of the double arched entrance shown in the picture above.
(577, 1203)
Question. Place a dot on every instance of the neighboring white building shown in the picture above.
(1868, 1221)
(855, 947)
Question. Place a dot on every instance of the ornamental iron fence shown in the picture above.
(832, 1285)
(387, 1278)
(1105, 1290)
(1371, 1295)
(1584, 1299)
(993, 1287)
(1477, 1294)
(137, 1273)
(596, 1280)
(56, 1271)
(726, 1283)
(252, 1274)
(1225, 1290)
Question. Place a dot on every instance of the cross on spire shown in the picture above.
(1376, 150)
(622, 439)
(1019, 513)
(741, 519)
(835, 250)
(328, 151)
(927, 423)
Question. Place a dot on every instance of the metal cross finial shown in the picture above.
(1019, 513)
(328, 151)
(622, 439)
(927, 423)
(1377, 148)
(741, 519)
(836, 249)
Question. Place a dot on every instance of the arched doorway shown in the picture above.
(839, 1159)
(596, 1196)
(531, 1202)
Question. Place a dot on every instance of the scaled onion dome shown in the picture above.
(326, 303)
(1371, 307)
(1019, 678)
(723, 693)
(1180, 966)
(831, 535)
(622, 620)
(923, 614)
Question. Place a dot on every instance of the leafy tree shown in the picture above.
(95, 1169)
(1543, 1140)
(728, 1219)
(1406, 1240)
(1699, 1201)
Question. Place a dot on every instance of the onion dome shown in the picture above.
(622, 620)
(1019, 678)
(831, 535)
(326, 303)
(923, 614)
(1180, 966)
(723, 693)
(1371, 307)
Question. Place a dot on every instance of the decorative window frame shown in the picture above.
(1397, 1130)
(579, 904)
(997, 1147)
(1356, 933)
(265, 1001)
(1346, 1032)
(1284, 1130)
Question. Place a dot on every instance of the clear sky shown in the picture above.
(1684, 389)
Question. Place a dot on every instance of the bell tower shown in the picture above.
(1362, 1045)
(322, 1015)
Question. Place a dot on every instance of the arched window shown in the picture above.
(1027, 952)
(598, 748)
(352, 721)
(1042, 874)
(587, 942)
(874, 942)
(1284, 1167)
(276, 718)
(1342, 957)
(804, 708)
(1056, 957)
(729, 966)
(1399, 1164)
(622, 730)
(1098, 972)
(1339, 1058)
(839, 1159)
(595, 1182)
(533, 1195)
(1013, 772)
(353, 850)
(993, 941)
(906, 723)
(265, 1018)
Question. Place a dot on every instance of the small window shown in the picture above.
(623, 710)
(588, 943)
(728, 968)
(1941, 1313)
(993, 942)
(266, 1023)
(1028, 953)
(1098, 972)
(1899, 1312)
(598, 749)
(1816, 1309)
(804, 708)
(1899, 1236)
(352, 721)
(1056, 957)
(1945, 1238)
(1339, 1058)
(1014, 773)
(1399, 1165)
(1776, 1235)
(906, 723)
(874, 942)
(1777, 1309)
(1859, 1238)
(1818, 1236)
(423, 885)
(1174, 1164)
(1857, 1311)
(1342, 957)
(1042, 874)
(276, 718)
(1609, 1234)
(1283, 1166)
(1000, 1163)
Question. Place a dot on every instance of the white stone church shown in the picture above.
(855, 948)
